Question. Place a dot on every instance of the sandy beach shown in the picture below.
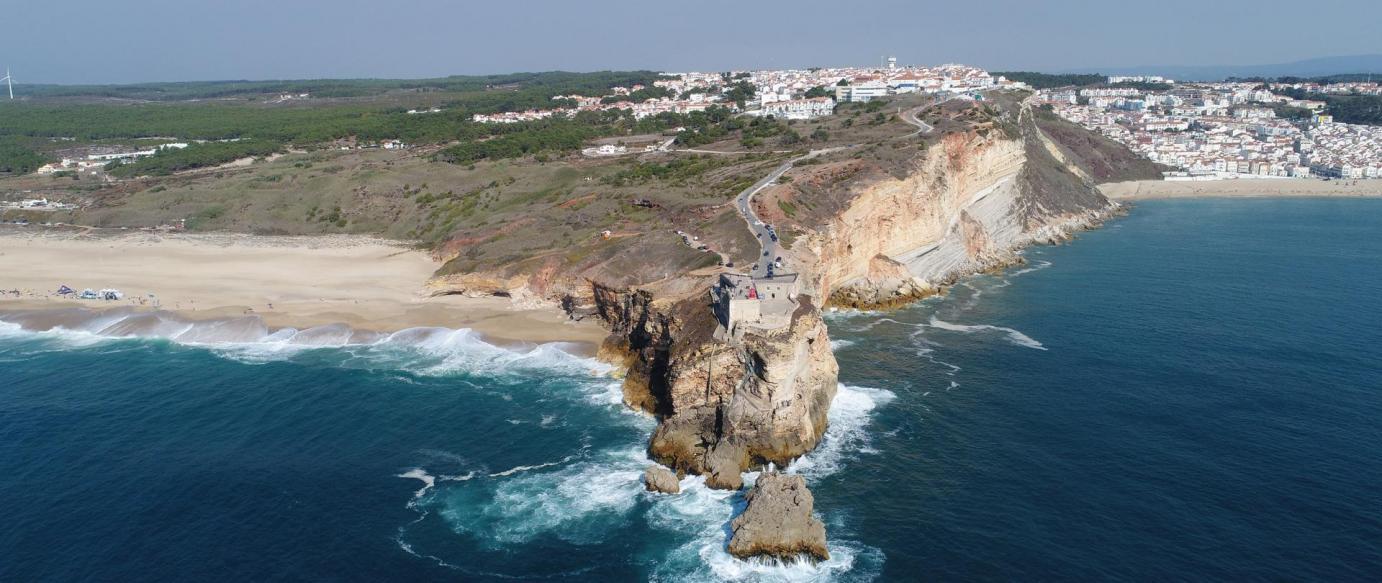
(300, 282)
(1248, 187)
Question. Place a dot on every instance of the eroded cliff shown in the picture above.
(967, 205)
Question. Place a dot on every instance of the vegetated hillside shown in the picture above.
(16, 157)
(643, 199)
(1103, 159)
(191, 112)
(1359, 109)
(534, 85)
(1050, 80)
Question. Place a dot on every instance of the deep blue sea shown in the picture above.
(1192, 393)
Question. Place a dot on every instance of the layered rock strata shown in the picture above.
(968, 206)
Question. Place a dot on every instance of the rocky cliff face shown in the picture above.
(967, 206)
(725, 406)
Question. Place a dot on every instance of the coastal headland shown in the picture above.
(874, 214)
(701, 272)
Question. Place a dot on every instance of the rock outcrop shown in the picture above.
(659, 479)
(779, 522)
(731, 406)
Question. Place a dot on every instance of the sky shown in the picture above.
(124, 41)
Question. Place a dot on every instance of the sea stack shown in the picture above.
(778, 522)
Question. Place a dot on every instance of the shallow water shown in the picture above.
(1190, 393)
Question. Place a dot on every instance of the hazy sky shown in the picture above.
(104, 41)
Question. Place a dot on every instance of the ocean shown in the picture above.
(1193, 392)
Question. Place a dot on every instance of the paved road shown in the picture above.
(733, 153)
(910, 116)
(744, 202)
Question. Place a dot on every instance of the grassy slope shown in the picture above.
(1104, 159)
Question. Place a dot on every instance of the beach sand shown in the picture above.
(1246, 187)
(300, 282)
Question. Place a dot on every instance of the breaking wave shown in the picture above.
(593, 497)
(1012, 335)
(1038, 267)
(847, 434)
(426, 351)
(705, 515)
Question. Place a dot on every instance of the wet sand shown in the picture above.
(1245, 187)
(300, 282)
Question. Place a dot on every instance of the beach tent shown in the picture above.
(64, 291)
(89, 294)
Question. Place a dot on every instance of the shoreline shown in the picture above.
(366, 283)
(1241, 188)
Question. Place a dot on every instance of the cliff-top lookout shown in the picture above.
(760, 302)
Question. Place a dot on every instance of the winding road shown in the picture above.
(744, 202)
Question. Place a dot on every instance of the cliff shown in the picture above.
(966, 205)
(725, 406)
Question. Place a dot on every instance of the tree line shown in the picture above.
(18, 158)
(170, 160)
(1359, 109)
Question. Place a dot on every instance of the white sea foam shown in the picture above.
(581, 503)
(838, 344)
(926, 349)
(850, 414)
(423, 351)
(585, 499)
(1038, 267)
(428, 480)
(517, 469)
(1012, 335)
(705, 515)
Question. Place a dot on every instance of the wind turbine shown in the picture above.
(9, 82)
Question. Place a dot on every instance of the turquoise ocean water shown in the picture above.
(1191, 393)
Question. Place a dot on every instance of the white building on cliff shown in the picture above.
(742, 301)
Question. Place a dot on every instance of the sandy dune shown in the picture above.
(366, 283)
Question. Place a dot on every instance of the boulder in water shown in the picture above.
(778, 522)
(723, 466)
(659, 479)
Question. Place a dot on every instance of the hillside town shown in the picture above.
(785, 94)
(1226, 130)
